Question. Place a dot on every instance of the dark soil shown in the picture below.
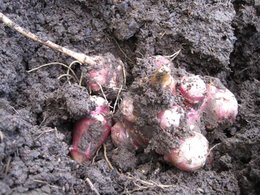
(37, 111)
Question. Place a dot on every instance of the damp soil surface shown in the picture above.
(38, 111)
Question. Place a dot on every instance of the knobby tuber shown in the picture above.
(170, 108)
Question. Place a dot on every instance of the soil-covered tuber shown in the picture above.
(91, 131)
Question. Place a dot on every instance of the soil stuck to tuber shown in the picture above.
(38, 111)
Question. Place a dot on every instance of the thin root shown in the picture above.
(92, 187)
(148, 184)
(68, 70)
(123, 51)
(124, 74)
(65, 75)
(7, 166)
(106, 158)
(173, 56)
(47, 131)
(45, 182)
(117, 98)
(102, 91)
(1, 136)
(56, 63)
(94, 158)
(81, 79)
(213, 147)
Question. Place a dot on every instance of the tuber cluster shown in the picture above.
(168, 110)
(165, 109)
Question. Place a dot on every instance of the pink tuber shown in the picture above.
(191, 154)
(91, 132)
(193, 88)
(107, 73)
(193, 120)
(122, 136)
(220, 106)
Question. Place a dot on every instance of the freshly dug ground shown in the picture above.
(37, 111)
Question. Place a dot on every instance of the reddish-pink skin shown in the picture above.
(193, 89)
(220, 105)
(107, 77)
(171, 86)
(97, 78)
(83, 126)
(193, 120)
(123, 135)
(80, 128)
(119, 134)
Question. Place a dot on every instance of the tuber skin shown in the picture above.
(220, 107)
(171, 117)
(191, 154)
(158, 61)
(193, 88)
(107, 73)
(121, 137)
(91, 132)
(193, 120)
(127, 108)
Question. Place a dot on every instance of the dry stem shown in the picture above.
(94, 157)
(117, 98)
(82, 58)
